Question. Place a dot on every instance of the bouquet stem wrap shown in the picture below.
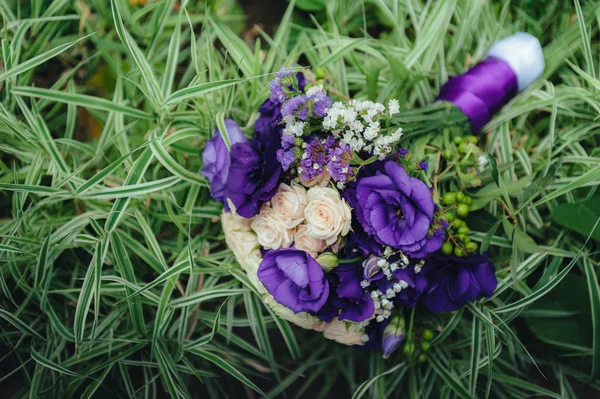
(511, 65)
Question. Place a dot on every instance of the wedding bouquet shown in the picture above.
(333, 213)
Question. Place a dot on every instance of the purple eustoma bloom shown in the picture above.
(396, 210)
(217, 160)
(254, 173)
(295, 279)
(455, 281)
(347, 300)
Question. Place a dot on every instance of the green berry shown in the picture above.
(425, 346)
(427, 335)
(457, 140)
(448, 154)
(409, 349)
(320, 73)
(447, 248)
(320, 81)
(457, 223)
(472, 139)
(468, 200)
(461, 237)
(463, 230)
(471, 247)
(449, 198)
(459, 252)
(422, 358)
(461, 148)
(449, 216)
(462, 210)
(466, 239)
(460, 196)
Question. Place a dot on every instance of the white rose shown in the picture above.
(239, 238)
(308, 243)
(344, 332)
(321, 180)
(241, 222)
(289, 203)
(270, 230)
(327, 214)
(250, 265)
(301, 319)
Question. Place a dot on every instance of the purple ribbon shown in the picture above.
(482, 91)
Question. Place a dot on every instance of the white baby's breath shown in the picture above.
(358, 124)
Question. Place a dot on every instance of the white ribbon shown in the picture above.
(523, 53)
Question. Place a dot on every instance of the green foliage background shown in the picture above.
(115, 280)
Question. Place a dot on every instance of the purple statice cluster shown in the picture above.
(312, 104)
(344, 223)
(286, 154)
(326, 155)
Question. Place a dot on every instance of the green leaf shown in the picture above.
(588, 177)
(20, 325)
(594, 292)
(200, 90)
(228, 368)
(136, 173)
(539, 184)
(152, 86)
(364, 387)
(448, 376)
(50, 364)
(81, 100)
(579, 217)
(39, 59)
(42, 264)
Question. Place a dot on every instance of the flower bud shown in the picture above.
(328, 261)
(393, 335)
(371, 267)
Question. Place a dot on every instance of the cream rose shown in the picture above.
(301, 319)
(270, 230)
(241, 223)
(289, 203)
(321, 180)
(308, 243)
(327, 214)
(238, 236)
(343, 332)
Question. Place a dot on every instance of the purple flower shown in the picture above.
(359, 242)
(216, 159)
(313, 160)
(295, 280)
(423, 165)
(393, 336)
(402, 152)
(321, 103)
(455, 281)
(347, 300)
(414, 284)
(286, 155)
(291, 105)
(278, 94)
(375, 332)
(395, 209)
(339, 157)
(433, 242)
(254, 173)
